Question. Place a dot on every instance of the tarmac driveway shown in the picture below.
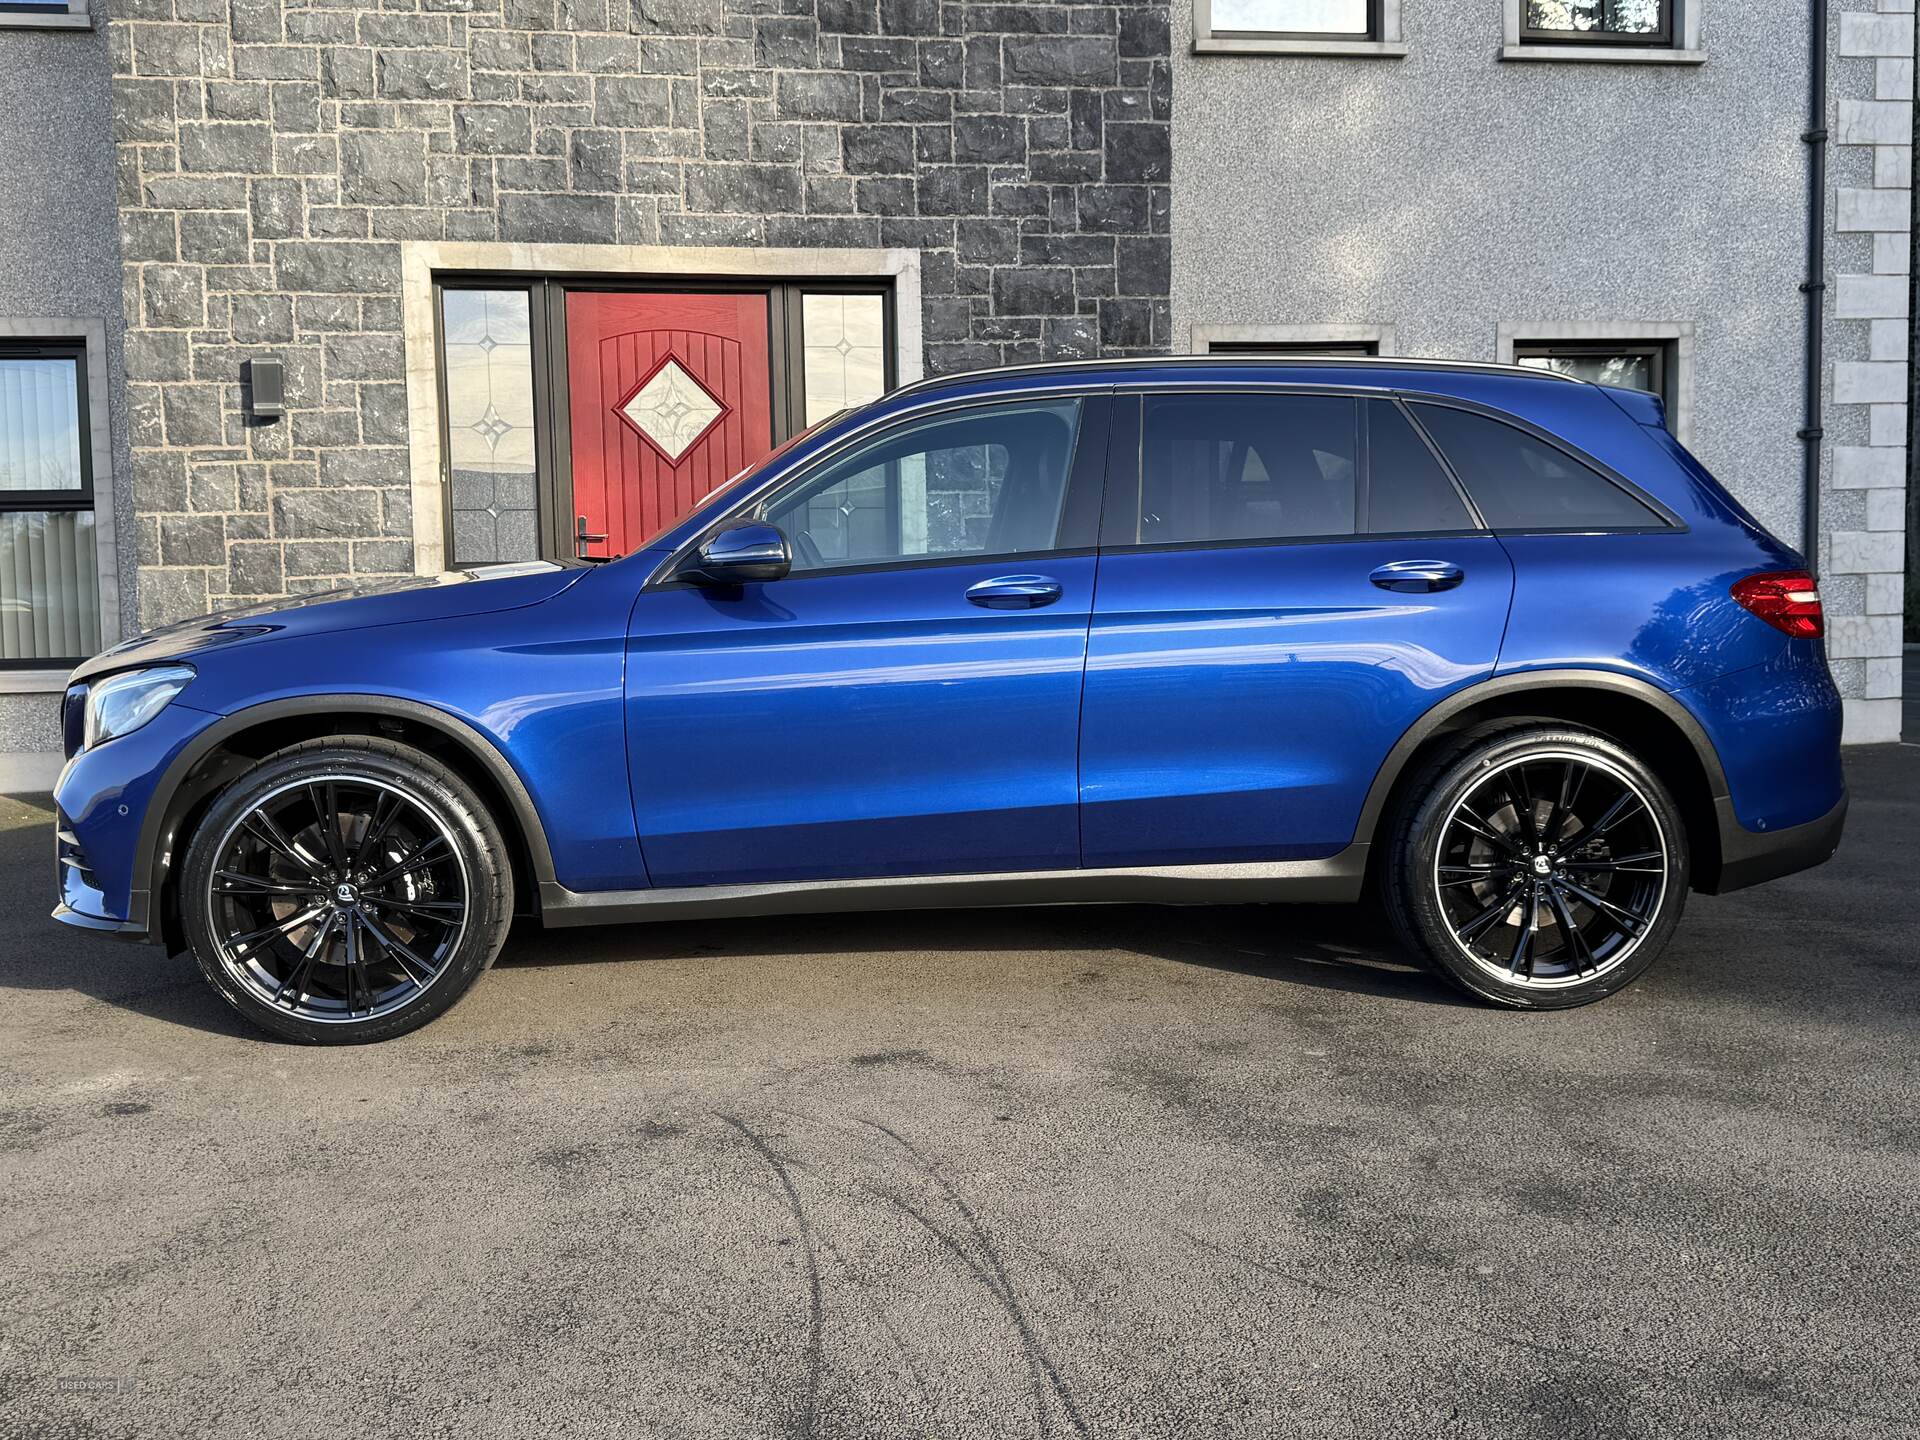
(1053, 1172)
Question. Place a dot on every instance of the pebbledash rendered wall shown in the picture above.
(1447, 200)
(274, 156)
(60, 276)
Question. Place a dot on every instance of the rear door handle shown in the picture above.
(1418, 577)
(1015, 592)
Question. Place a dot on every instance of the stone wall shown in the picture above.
(1869, 330)
(273, 155)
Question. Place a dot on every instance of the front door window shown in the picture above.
(985, 481)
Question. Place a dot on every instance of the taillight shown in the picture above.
(1788, 600)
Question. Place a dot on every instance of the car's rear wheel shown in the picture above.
(346, 890)
(1538, 866)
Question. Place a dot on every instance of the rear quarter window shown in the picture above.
(1522, 483)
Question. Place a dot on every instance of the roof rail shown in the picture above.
(1315, 362)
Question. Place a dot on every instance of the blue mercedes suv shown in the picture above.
(1484, 645)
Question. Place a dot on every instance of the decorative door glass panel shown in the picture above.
(490, 426)
(845, 344)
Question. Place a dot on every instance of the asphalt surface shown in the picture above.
(1101, 1171)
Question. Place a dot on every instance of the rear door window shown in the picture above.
(1522, 483)
(1252, 466)
(1407, 491)
(1247, 467)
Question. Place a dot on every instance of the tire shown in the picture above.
(366, 938)
(1603, 868)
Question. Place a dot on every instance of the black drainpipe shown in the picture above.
(1814, 287)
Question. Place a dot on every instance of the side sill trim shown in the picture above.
(1337, 880)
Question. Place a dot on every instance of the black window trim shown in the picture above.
(1125, 477)
(1673, 524)
(1371, 35)
(1665, 38)
(1332, 349)
(1659, 353)
(74, 349)
(1080, 509)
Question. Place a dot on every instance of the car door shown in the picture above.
(907, 700)
(1287, 581)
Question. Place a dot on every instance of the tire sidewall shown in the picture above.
(1419, 905)
(426, 782)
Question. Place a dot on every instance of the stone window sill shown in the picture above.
(33, 682)
(1275, 45)
(44, 20)
(1606, 54)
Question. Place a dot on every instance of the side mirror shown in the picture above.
(752, 550)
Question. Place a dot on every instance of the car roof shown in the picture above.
(1307, 368)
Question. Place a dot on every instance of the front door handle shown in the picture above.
(582, 538)
(1015, 592)
(1418, 577)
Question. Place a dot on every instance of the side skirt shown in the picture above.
(1335, 880)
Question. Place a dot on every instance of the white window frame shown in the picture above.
(1679, 334)
(1381, 337)
(76, 16)
(1685, 49)
(1389, 44)
(99, 438)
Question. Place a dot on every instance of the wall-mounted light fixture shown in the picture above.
(266, 388)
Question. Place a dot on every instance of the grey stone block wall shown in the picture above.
(273, 155)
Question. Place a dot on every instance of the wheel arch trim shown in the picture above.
(1520, 683)
(154, 856)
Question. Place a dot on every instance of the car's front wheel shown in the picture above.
(1538, 866)
(346, 890)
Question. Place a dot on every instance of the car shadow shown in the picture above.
(1343, 947)
(1332, 947)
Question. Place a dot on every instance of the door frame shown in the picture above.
(429, 265)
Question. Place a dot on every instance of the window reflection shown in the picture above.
(1609, 17)
(490, 425)
(40, 423)
(1293, 17)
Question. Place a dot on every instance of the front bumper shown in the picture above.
(1750, 857)
(105, 835)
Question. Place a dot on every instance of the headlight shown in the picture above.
(123, 703)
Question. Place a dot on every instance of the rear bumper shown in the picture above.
(1752, 857)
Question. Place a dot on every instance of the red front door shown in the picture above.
(670, 397)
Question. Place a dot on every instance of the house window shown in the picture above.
(1300, 27)
(1609, 22)
(1634, 365)
(49, 560)
(1647, 32)
(1359, 349)
(51, 15)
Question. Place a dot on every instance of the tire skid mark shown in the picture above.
(991, 1271)
(1539, 1347)
(898, 1341)
(809, 1418)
